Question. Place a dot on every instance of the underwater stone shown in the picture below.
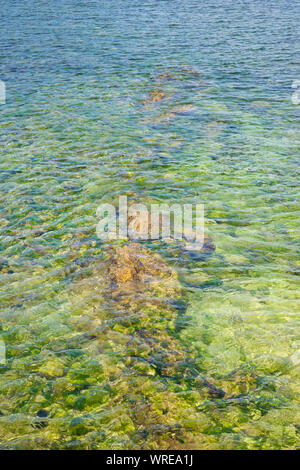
(184, 109)
(155, 96)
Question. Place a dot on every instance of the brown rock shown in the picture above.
(155, 96)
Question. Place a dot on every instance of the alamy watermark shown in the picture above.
(296, 94)
(2, 92)
(2, 352)
(161, 221)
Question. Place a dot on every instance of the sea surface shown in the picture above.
(163, 101)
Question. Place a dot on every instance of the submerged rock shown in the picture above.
(179, 73)
(260, 104)
(191, 70)
(138, 270)
(165, 76)
(137, 329)
(170, 115)
(155, 96)
(184, 109)
(215, 128)
(163, 118)
(140, 227)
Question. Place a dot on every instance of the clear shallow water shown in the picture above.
(75, 132)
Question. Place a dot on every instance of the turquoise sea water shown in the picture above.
(78, 129)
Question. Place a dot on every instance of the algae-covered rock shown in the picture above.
(53, 367)
(142, 311)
